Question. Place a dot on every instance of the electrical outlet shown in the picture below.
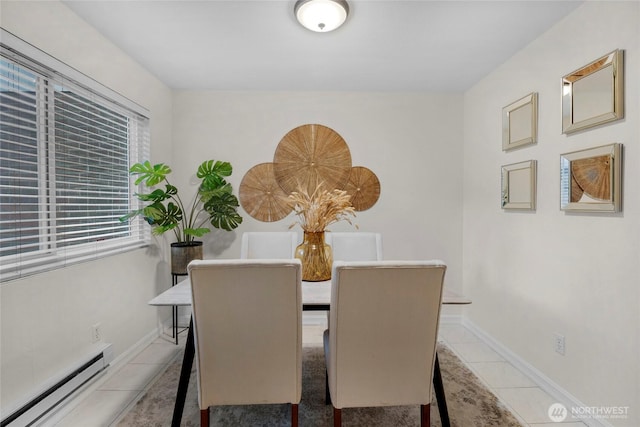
(96, 333)
(559, 343)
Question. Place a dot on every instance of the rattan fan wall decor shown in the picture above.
(593, 177)
(311, 158)
(261, 196)
(363, 187)
(576, 191)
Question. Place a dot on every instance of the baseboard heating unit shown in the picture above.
(34, 409)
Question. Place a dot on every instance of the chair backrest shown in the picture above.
(268, 244)
(383, 332)
(355, 246)
(247, 319)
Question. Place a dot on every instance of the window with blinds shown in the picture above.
(65, 151)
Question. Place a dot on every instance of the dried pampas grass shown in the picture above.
(321, 209)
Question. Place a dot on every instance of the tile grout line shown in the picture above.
(493, 390)
(162, 367)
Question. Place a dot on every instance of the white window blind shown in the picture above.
(65, 152)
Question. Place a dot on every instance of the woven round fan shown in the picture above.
(363, 187)
(576, 191)
(261, 196)
(593, 176)
(310, 156)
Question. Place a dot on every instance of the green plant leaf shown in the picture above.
(130, 215)
(214, 167)
(206, 193)
(227, 222)
(197, 232)
(171, 190)
(164, 218)
(212, 173)
(160, 229)
(150, 175)
(156, 195)
(223, 211)
(164, 211)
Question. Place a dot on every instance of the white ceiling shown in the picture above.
(385, 45)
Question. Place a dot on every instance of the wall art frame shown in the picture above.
(520, 122)
(594, 94)
(519, 185)
(591, 179)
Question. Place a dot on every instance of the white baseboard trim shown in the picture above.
(449, 319)
(133, 351)
(167, 324)
(81, 394)
(184, 318)
(539, 378)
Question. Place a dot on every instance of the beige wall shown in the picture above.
(533, 274)
(46, 318)
(412, 142)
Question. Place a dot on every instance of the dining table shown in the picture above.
(316, 296)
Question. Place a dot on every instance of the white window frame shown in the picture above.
(49, 256)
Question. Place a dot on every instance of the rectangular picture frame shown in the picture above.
(594, 94)
(520, 122)
(519, 185)
(591, 179)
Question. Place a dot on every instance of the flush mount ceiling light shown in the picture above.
(321, 16)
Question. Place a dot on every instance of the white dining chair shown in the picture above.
(355, 245)
(380, 348)
(247, 325)
(268, 244)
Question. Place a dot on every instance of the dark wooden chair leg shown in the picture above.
(337, 417)
(204, 417)
(294, 415)
(425, 415)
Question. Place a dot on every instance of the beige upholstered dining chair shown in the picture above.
(381, 343)
(355, 246)
(247, 320)
(268, 244)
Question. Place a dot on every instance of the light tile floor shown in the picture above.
(122, 389)
(528, 402)
(112, 399)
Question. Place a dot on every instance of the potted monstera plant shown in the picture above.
(214, 205)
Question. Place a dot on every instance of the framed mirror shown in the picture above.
(591, 180)
(593, 94)
(520, 122)
(519, 185)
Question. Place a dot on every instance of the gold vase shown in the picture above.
(316, 257)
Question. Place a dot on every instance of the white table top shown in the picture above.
(313, 293)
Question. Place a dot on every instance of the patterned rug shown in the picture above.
(469, 402)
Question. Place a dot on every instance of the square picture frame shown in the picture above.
(591, 179)
(519, 185)
(520, 122)
(594, 94)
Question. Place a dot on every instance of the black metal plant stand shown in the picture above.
(174, 319)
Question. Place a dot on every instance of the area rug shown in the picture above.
(470, 403)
